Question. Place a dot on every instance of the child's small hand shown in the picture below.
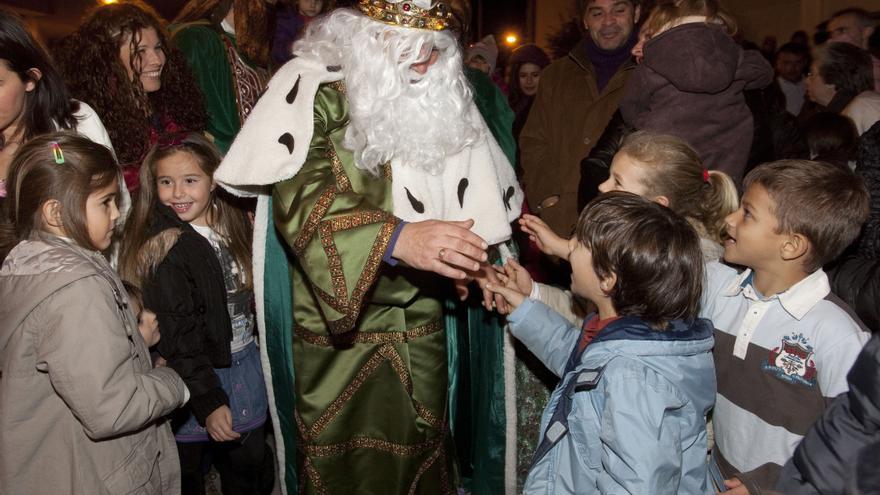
(219, 425)
(513, 297)
(735, 487)
(542, 235)
(516, 277)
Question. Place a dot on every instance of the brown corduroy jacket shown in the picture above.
(567, 118)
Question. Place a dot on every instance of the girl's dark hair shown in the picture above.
(49, 103)
(525, 54)
(35, 178)
(654, 253)
(89, 61)
(225, 217)
(832, 138)
(252, 33)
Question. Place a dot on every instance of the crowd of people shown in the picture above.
(333, 248)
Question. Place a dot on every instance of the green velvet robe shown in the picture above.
(368, 345)
(228, 99)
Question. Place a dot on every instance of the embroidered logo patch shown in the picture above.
(793, 361)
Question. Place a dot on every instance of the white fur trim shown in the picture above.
(261, 223)
(260, 156)
(477, 183)
(510, 451)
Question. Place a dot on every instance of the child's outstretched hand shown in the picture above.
(515, 277)
(513, 297)
(219, 425)
(542, 235)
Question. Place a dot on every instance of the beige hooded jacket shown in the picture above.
(80, 406)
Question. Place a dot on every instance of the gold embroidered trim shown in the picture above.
(367, 337)
(427, 415)
(343, 184)
(336, 304)
(358, 219)
(368, 443)
(368, 275)
(334, 265)
(314, 477)
(393, 357)
(339, 86)
(325, 200)
(339, 402)
(249, 82)
(386, 171)
(426, 466)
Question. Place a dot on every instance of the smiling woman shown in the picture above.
(138, 84)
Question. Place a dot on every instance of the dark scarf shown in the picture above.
(606, 62)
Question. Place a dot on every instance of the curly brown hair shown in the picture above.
(90, 63)
(252, 29)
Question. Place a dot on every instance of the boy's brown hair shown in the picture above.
(654, 253)
(817, 200)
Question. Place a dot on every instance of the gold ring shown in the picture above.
(441, 253)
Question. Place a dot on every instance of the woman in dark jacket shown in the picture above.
(526, 64)
(856, 277)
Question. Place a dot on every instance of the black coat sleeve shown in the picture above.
(172, 293)
(595, 167)
(833, 449)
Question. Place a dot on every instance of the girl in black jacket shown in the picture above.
(189, 249)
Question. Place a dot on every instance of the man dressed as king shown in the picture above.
(380, 190)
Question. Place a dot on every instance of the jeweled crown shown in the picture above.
(408, 14)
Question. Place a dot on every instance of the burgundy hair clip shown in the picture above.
(706, 175)
(171, 140)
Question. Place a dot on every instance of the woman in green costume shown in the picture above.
(380, 178)
(228, 55)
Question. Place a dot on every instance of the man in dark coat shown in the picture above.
(576, 98)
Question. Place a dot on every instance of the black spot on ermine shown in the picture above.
(417, 205)
(291, 96)
(287, 140)
(462, 186)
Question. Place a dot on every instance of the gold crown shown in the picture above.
(407, 14)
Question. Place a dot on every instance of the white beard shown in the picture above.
(395, 112)
(420, 123)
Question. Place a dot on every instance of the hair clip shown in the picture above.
(706, 175)
(57, 153)
(171, 140)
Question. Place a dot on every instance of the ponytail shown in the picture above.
(674, 170)
(720, 198)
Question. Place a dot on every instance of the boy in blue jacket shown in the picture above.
(629, 414)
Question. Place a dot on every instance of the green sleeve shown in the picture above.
(205, 54)
(333, 217)
(495, 110)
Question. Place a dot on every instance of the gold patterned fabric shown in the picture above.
(369, 349)
(249, 82)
